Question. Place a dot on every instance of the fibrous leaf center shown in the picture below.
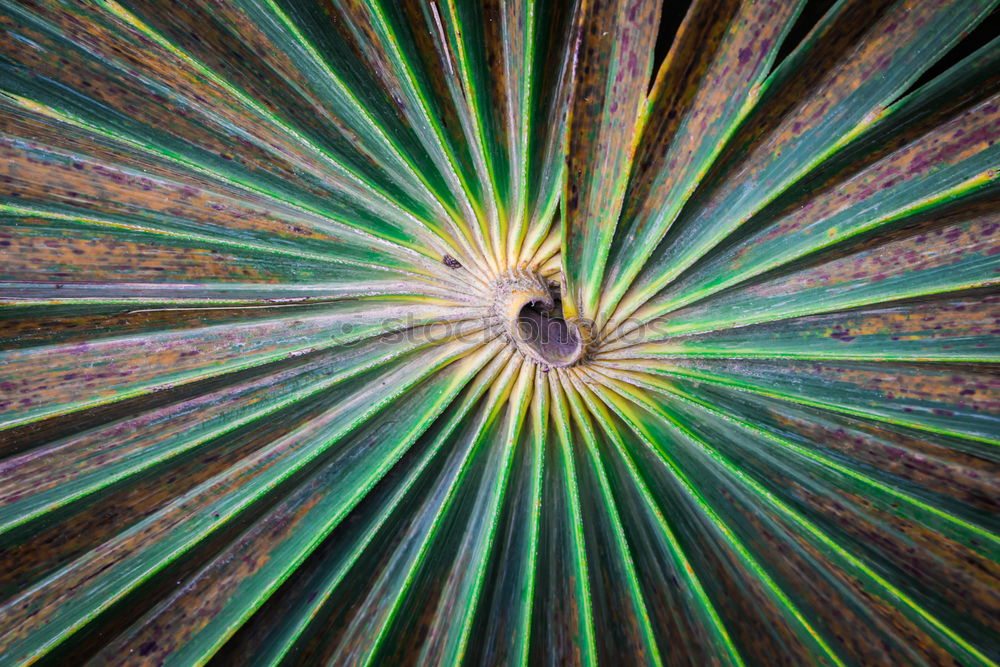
(530, 314)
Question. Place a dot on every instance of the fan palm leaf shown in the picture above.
(499, 332)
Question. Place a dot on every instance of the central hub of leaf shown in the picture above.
(530, 313)
(549, 335)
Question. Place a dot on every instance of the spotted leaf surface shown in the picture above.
(499, 332)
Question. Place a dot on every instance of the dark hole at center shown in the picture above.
(547, 332)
